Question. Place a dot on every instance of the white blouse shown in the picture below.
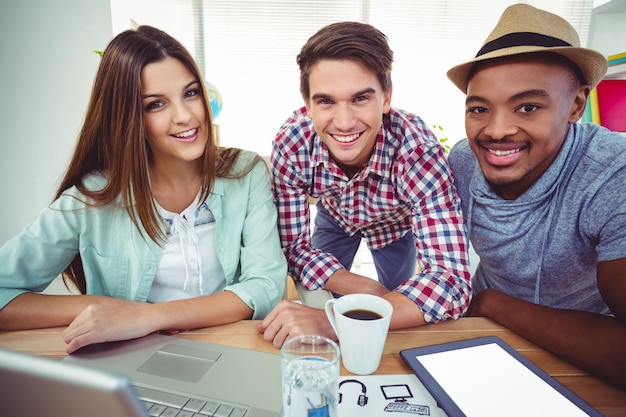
(189, 266)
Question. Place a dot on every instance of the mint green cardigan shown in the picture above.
(121, 262)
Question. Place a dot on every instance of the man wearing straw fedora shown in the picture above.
(544, 196)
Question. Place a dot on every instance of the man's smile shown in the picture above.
(345, 138)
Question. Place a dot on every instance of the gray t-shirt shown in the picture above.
(544, 246)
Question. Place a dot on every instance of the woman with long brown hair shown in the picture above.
(157, 226)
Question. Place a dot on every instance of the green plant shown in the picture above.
(442, 140)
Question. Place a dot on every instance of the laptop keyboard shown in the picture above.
(165, 404)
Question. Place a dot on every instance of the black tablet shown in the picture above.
(485, 377)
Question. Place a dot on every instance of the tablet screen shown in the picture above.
(485, 379)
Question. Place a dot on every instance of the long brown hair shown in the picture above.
(112, 138)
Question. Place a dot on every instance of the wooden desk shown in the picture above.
(608, 400)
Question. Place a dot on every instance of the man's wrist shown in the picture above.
(346, 282)
(482, 303)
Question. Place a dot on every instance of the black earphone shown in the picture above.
(362, 401)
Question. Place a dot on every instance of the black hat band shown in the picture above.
(521, 39)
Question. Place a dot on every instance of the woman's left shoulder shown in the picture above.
(249, 162)
(247, 157)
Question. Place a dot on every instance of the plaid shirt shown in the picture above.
(406, 184)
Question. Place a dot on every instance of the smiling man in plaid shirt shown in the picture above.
(379, 174)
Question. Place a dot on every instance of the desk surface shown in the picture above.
(608, 400)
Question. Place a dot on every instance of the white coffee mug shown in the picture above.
(361, 322)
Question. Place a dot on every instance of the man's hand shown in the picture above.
(289, 319)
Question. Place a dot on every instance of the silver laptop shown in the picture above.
(183, 378)
(35, 386)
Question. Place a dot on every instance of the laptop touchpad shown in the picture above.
(180, 362)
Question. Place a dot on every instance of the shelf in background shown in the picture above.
(616, 71)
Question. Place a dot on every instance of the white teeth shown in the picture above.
(503, 153)
(186, 134)
(346, 139)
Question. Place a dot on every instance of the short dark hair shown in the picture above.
(352, 41)
(575, 75)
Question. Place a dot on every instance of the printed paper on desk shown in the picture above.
(385, 396)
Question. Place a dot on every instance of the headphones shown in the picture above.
(362, 401)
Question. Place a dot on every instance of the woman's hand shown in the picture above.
(121, 320)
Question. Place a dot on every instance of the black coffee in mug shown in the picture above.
(360, 314)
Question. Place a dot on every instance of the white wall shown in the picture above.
(608, 29)
(607, 32)
(47, 66)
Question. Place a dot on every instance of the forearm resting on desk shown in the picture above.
(100, 323)
(107, 319)
(593, 342)
(34, 311)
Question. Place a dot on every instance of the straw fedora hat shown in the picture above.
(525, 29)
